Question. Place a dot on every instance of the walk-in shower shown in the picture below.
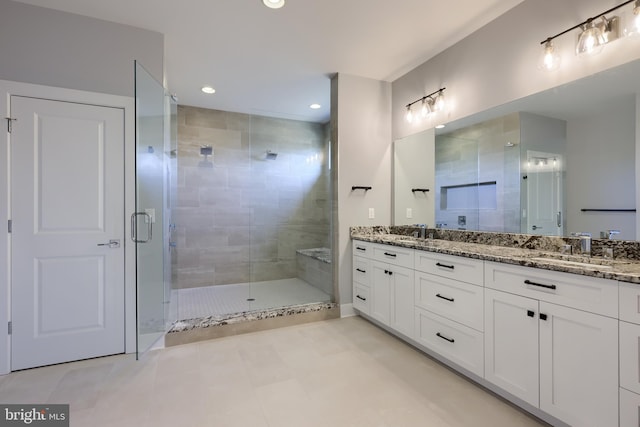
(253, 214)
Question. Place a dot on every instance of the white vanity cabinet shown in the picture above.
(629, 355)
(537, 347)
(566, 344)
(389, 291)
(449, 308)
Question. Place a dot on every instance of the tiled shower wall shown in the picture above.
(241, 217)
(486, 152)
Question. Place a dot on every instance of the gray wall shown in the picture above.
(241, 217)
(600, 157)
(53, 48)
(361, 127)
(498, 63)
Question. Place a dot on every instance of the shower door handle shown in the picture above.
(134, 227)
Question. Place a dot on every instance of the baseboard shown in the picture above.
(346, 310)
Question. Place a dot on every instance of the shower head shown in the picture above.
(271, 155)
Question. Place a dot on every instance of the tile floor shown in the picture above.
(343, 372)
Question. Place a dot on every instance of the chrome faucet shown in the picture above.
(609, 234)
(423, 230)
(585, 243)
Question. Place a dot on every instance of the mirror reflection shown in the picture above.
(554, 163)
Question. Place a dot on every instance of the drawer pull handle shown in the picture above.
(359, 297)
(361, 249)
(543, 316)
(445, 298)
(360, 270)
(445, 338)
(390, 254)
(531, 313)
(529, 282)
(445, 265)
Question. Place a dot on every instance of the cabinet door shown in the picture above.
(511, 344)
(629, 409)
(578, 366)
(630, 356)
(380, 305)
(402, 300)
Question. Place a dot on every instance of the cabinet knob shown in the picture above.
(543, 316)
(531, 313)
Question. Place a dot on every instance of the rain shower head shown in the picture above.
(271, 155)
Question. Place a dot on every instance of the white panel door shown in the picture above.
(67, 186)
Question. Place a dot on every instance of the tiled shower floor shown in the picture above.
(220, 300)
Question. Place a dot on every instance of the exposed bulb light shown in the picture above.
(315, 106)
(426, 109)
(441, 126)
(550, 60)
(208, 89)
(633, 27)
(439, 103)
(591, 40)
(409, 114)
(273, 4)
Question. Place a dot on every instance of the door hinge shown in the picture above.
(9, 328)
(10, 123)
(10, 225)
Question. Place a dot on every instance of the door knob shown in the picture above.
(113, 243)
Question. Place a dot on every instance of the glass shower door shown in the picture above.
(147, 222)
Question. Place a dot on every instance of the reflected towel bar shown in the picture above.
(607, 210)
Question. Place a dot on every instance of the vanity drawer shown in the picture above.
(362, 270)
(457, 301)
(630, 302)
(361, 248)
(571, 290)
(361, 300)
(630, 356)
(454, 267)
(458, 343)
(394, 255)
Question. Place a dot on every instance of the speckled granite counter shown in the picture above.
(519, 249)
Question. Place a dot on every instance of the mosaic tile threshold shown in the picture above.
(247, 316)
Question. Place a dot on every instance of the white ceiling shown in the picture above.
(277, 62)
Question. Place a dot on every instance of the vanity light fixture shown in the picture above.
(430, 103)
(595, 33)
(633, 27)
(273, 4)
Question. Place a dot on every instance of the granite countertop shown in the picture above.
(624, 270)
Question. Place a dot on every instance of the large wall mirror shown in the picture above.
(554, 163)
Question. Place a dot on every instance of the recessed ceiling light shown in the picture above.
(273, 4)
(439, 126)
(315, 106)
(208, 89)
